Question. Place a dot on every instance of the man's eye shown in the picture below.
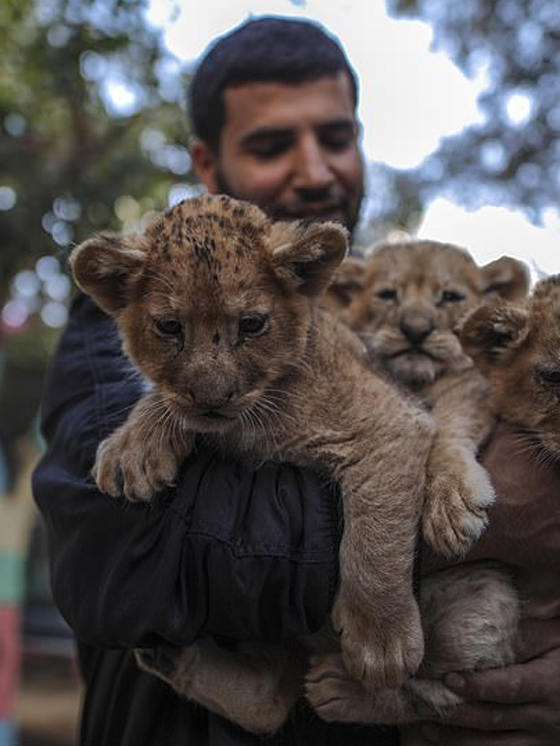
(336, 143)
(269, 149)
(168, 327)
(337, 136)
(451, 296)
(252, 325)
(387, 294)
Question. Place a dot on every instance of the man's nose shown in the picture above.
(312, 170)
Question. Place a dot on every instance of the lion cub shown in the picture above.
(411, 296)
(471, 613)
(411, 299)
(216, 308)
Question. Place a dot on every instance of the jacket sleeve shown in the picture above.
(231, 551)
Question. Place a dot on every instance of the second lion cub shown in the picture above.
(215, 306)
(410, 298)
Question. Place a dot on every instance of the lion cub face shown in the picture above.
(212, 301)
(518, 348)
(411, 298)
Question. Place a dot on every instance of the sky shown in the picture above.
(411, 96)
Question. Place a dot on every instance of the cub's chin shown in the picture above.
(212, 422)
(414, 369)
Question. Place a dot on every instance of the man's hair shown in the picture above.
(267, 49)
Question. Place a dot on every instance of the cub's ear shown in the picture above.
(506, 277)
(304, 256)
(346, 282)
(107, 267)
(491, 331)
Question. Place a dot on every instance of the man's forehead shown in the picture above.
(275, 105)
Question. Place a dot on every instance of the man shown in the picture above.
(287, 141)
(293, 150)
(229, 552)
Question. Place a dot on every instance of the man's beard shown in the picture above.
(279, 212)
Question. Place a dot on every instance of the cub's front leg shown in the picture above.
(458, 495)
(375, 610)
(142, 456)
(458, 489)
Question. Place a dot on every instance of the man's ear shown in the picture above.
(489, 332)
(305, 255)
(107, 267)
(347, 282)
(205, 162)
(506, 277)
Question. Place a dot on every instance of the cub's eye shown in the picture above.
(451, 296)
(252, 325)
(168, 327)
(550, 376)
(387, 294)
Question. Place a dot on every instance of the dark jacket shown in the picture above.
(229, 552)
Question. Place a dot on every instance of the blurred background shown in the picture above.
(460, 104)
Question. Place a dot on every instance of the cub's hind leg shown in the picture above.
(470, 617)
(255, 686)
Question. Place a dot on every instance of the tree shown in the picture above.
(513, 156)
(92, 135)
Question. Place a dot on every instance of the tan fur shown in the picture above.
(471, 613)
(345, 284)
(517, 346)
(518, 349)
(470, 619)
(189, 296)
(410, 299)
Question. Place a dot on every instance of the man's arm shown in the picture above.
(229, 551)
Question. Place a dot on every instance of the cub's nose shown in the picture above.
(211, 399)
(416, 328)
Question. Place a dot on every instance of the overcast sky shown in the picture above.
(411, 96)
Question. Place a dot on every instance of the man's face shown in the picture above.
(291, 149)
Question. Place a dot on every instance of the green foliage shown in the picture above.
(69, 152)
(512, 157)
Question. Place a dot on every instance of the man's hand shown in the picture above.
(518, 705)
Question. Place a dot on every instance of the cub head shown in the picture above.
(410, 299)
(517, 346)
(345, 284)
(212, 301)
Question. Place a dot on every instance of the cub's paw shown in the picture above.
(381, 654)
(333, 694)
(166, 662)
(455, 513)
(131, 465)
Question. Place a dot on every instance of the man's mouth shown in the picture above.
(324, 212)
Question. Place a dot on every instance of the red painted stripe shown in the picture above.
(9, 658)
